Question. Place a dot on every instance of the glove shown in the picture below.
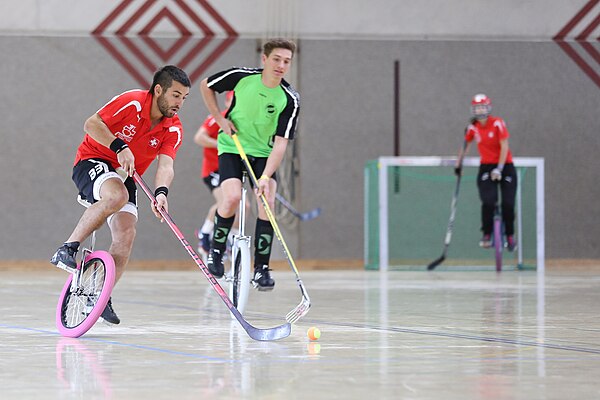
(457, 171)
(496, 174)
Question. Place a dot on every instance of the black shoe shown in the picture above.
(262, 278)
(215, 263)
(65, 258)
(109, 314)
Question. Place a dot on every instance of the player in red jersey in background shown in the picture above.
(128, 133)
(206, 137)
(496, 166)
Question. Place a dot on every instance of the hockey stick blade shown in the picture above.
(453, 207)
(266, 334)
(306, 216)
(435, 263)
(312, 214)
(302, 308)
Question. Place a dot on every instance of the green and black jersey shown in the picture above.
(258, 112)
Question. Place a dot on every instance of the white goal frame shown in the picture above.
(385, 162)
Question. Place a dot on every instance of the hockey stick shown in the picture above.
(302, 216)
(302, 308)
(441, 259)
(278, 332)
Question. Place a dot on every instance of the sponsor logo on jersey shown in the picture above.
(270, 110)
(127, 133)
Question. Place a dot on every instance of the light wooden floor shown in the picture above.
(401, 335)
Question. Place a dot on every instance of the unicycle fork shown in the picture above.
(238, 276)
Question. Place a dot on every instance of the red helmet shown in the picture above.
(481, 106)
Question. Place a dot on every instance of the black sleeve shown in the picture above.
(227, 79)
(288, 119)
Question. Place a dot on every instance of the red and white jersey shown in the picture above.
(488, 139)
(210, 162)
(128, 118)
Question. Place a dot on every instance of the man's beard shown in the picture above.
(163, 107)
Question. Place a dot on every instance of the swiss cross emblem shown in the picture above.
(153, 142)
(128, 33)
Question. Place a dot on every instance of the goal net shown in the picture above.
(407, 208)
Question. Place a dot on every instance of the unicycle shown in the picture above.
(238, 276)
(87, 290)
(498, 240)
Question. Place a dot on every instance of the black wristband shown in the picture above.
(118, 145)
(161, 190)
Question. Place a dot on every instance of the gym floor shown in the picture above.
(396, 335)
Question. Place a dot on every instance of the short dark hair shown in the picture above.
(272, 44)
(166, 75)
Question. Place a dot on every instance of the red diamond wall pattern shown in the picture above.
(583, 51)
(126, 33)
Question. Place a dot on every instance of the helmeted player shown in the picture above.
(496, 168)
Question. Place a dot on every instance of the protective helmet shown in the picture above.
(481, 106)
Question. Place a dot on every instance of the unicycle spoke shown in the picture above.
(235, 285)
(85, 295)
(82, 301)
(239, 275)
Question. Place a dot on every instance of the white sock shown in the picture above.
(207, 227)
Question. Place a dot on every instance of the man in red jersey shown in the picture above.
(496, 167)
(124, 136)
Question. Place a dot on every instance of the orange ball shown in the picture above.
(313, 333)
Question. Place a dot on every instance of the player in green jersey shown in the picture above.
(264, 114)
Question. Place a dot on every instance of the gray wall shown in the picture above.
(52, 84)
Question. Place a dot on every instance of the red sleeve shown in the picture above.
(173, 140)
(110, 112)
(502, 129)
(211, 126)
(470, 133)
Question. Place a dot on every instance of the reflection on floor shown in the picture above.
(400, 335)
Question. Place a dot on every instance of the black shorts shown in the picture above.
(232, 166)
(89, 175)
(212, 180)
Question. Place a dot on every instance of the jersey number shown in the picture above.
(99, 168)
